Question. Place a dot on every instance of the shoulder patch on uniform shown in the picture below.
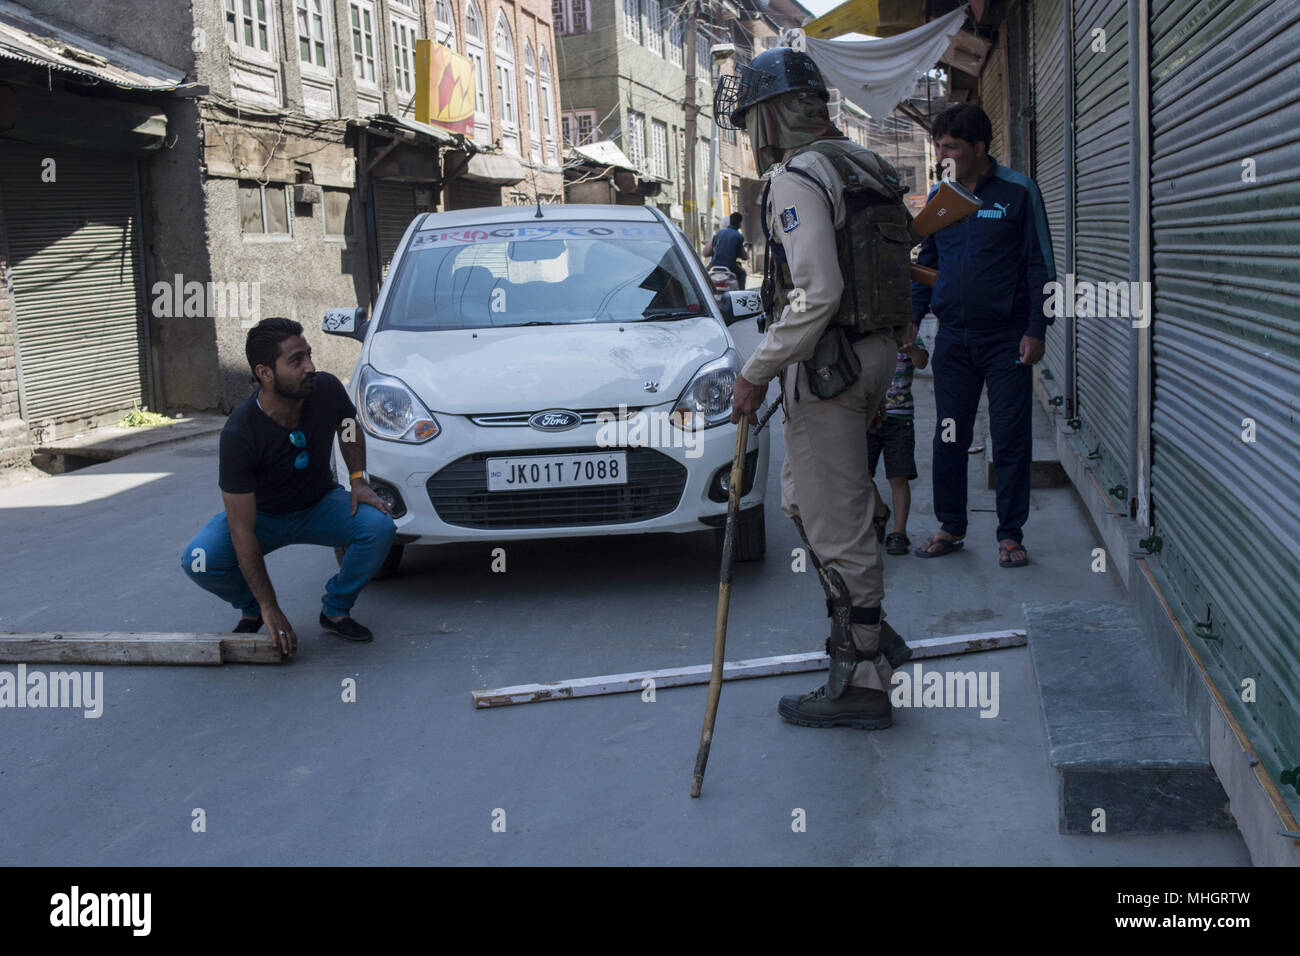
(789, 219)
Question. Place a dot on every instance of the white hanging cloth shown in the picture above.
(878, 74)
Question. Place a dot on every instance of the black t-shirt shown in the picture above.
(257, 455)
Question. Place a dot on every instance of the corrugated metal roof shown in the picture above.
(604, 153)
(436, 132)
(26, 37)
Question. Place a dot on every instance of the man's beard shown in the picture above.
(305, 387)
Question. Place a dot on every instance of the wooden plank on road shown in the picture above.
(732, 670)
(127, 647)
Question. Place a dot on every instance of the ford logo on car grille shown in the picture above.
(555, 420)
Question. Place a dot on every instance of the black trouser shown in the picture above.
(962, 368)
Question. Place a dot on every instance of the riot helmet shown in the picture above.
(771, 73)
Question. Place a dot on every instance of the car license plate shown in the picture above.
(557, 471)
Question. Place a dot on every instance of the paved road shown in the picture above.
(410, 773)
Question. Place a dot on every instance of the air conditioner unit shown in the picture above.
(306, 193)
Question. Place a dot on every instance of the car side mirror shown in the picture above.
(741, 305)
(346, 322)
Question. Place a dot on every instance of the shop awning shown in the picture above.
(496, 168)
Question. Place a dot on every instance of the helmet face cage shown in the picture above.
(748, 86)
(727, 98)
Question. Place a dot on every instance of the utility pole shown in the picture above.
(690, 212)
(714, 147)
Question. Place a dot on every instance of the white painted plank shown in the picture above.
(731, 670)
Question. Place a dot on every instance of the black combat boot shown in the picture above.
(858, 707)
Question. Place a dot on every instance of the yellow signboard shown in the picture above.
(444, 88)
(877, 18)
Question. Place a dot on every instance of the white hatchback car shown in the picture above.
(567, 375)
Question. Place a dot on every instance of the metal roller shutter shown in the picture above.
(75, 267)
(1049, 165)
(1225, 200)
(1101, 234)
(394, 210)
(468, 194)
(992, 81)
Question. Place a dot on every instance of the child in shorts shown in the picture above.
(893, 434)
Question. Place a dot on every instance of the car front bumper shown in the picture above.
(442, 483)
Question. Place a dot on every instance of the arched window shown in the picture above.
(444, 24)
(476, 51)
(534, 116)
(503, 46)
(548, 108)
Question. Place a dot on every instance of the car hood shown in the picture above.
(589, 366)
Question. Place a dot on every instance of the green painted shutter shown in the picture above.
(75, 267)
(1101, 234)
(1226, 341)
(1049, 164)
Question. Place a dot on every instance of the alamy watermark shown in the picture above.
(71, 689)
(207, 300)
(922, 688)
(650, 429)
(75, 908)
(1084, 299)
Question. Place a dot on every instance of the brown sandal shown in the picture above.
(1005, 552)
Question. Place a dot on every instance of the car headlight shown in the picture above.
(706, 401)
(390, 410)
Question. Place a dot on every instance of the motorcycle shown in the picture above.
(723, 280)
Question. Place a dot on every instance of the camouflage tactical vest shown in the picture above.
(873, 246)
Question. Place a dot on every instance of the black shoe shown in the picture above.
(246, 626)
(347, 629)
(858, 707)
(897, 543)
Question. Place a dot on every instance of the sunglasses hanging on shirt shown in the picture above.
(299, 440)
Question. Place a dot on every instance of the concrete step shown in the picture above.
(1115, 733)
(1046, 470)
(107, 442)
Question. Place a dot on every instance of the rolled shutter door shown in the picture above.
(1225, 203)
(1101, 230)
(394, 210)
(468, 194)
(992, 81)
(75, 267)
(1049, 164)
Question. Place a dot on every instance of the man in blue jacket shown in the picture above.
(993, 267)
(728, 248)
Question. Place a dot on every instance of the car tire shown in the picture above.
(751, 536)
(392, 561)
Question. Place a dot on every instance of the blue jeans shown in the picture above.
(963, 366)
(367, 535)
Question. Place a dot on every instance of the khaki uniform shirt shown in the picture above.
(801, 223)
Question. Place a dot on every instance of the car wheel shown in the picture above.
(751, 536)
(392, 561)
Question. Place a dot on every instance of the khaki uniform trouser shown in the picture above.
(825, 483)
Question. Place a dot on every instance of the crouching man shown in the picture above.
(278, 485)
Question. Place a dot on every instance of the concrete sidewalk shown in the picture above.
(285, 772)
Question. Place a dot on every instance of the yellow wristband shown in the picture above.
(355, 475)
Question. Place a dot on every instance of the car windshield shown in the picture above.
(560, 274)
